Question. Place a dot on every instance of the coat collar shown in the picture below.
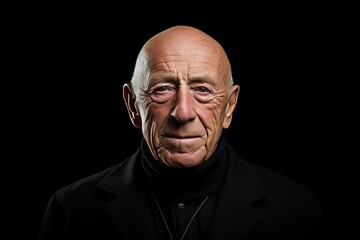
(233, 216)
(131, 211)
(122, 177)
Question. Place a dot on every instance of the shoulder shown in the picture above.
(274, 183)
(280, 201)
(284, 193)
(99, 187)
(82, 186)
(85, 189)
(281, 184)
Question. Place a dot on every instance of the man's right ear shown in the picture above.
(129, 98)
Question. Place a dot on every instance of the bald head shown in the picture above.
(184, 37)
(184, 42)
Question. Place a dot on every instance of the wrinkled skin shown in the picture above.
(181, 96)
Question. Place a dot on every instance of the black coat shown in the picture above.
(254, 203)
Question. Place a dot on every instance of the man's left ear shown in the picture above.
(231, 104)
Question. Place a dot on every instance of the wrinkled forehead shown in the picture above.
(182, 46)
(197, 66)
(192, 55)
(189, 59)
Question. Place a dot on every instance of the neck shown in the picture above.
(193, 182)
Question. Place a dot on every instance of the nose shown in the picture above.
(183, 111)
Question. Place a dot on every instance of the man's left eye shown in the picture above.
(203, 89)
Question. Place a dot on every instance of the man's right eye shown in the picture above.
(161, 89)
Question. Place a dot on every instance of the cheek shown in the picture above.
(155, 116)
(211, 116)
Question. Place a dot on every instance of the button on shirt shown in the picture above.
(181, 205)
(183, 212)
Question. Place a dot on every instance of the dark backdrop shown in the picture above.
(76, 61)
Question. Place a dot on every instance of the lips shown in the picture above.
(181, 136)
(186, 143)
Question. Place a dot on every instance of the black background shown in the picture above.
(74, 60)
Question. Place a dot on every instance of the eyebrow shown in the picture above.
(161, 79)
(203, 79)
(171, 79)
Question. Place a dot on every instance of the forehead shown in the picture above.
(182, 59)
(183, 68)
(190, 59)
(170, 63)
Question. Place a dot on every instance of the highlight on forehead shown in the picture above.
(184, 37)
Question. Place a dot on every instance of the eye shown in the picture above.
(162, 94)
(161, 89)
(203, 89)
(203, 93)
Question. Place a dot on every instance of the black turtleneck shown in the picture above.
(180, 191)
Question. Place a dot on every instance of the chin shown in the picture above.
(184, 163)
(182, 159)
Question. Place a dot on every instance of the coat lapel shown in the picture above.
(131, 210)
(231, 220)
(132, 215)
(234, 216)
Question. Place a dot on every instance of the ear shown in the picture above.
(130, 98)
(231, 104)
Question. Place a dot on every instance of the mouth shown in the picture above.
(182, 143)
(180, 136)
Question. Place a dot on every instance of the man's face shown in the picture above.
(182, 103)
